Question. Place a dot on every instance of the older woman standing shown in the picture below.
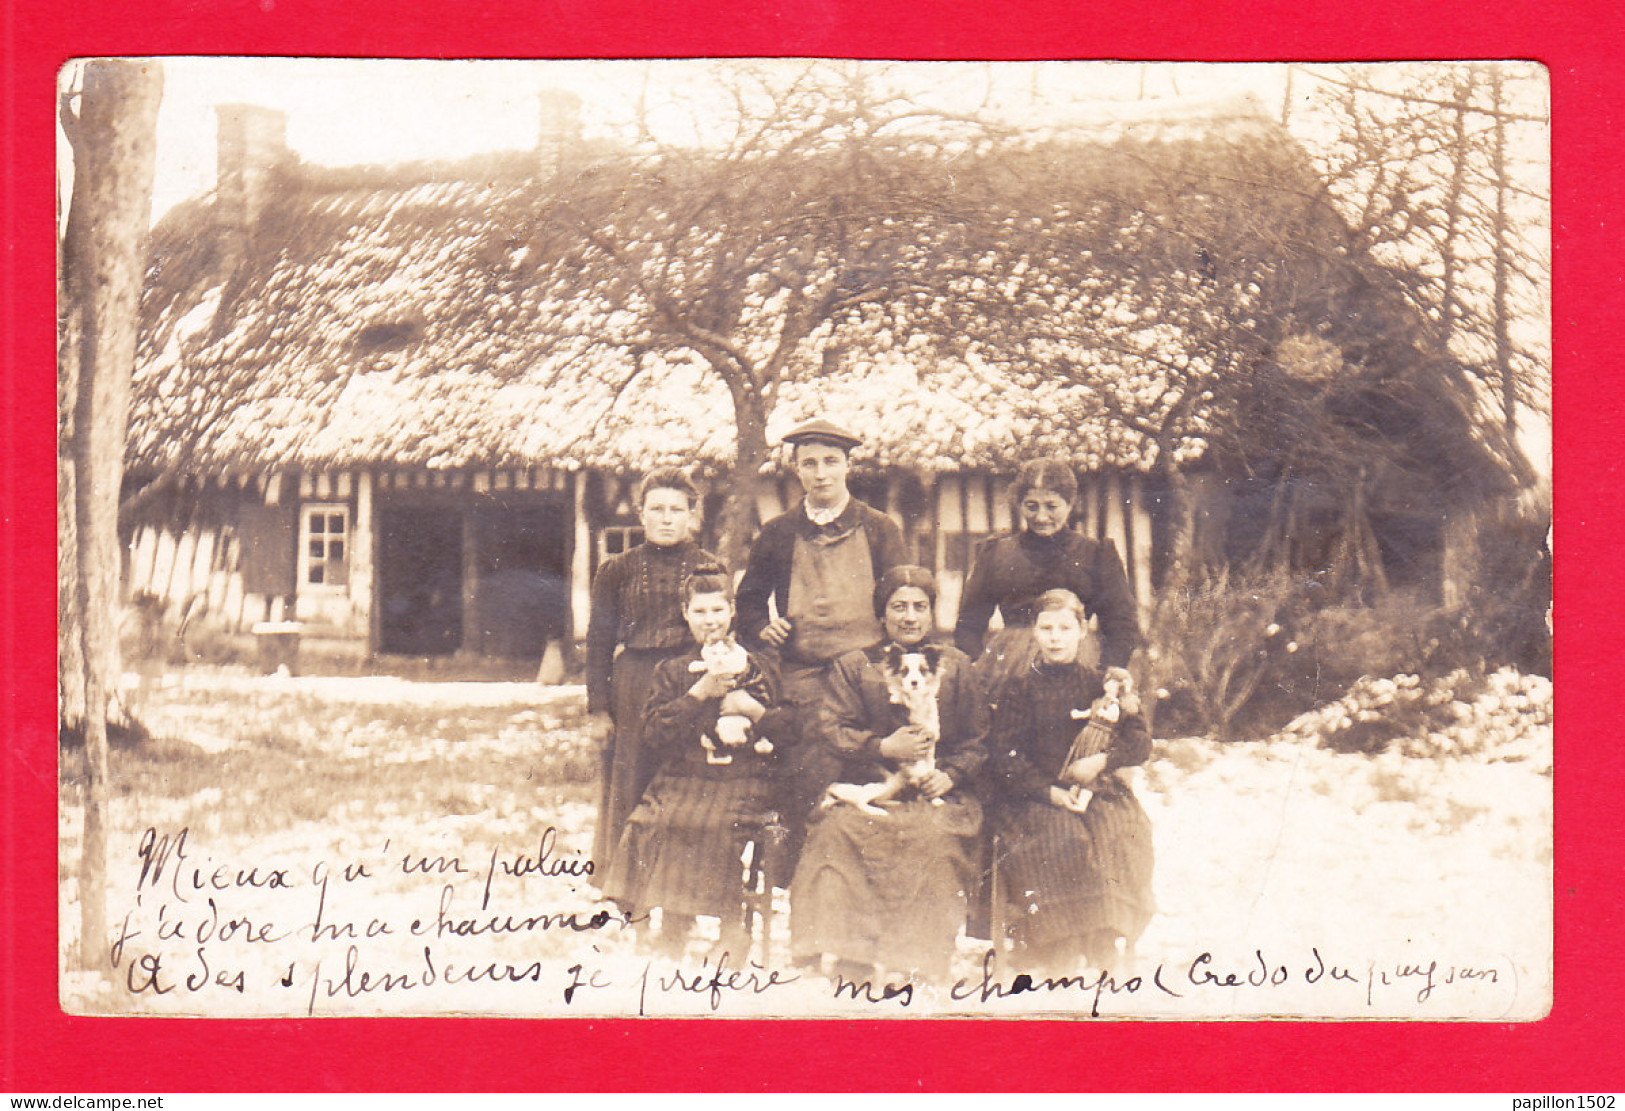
(884, 887)
(637, 622)
(1011, 570)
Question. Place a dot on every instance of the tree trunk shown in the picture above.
(1502, 247)
(738, 523)
(1460, 154)
(114, 147)
(70, 669)
(1182, 540)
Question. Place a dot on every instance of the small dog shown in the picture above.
(913, 678)
(727, 657)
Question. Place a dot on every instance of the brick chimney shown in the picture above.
(252, 147)
(560, 130)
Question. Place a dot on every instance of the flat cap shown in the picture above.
(821, 431)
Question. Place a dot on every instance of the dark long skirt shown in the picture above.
(807, 762)
(888, 891)
(626, 768)
(1067, 876)
(682, 847)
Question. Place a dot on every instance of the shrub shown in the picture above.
(1506, 715)
(1214, 647)
(1243, 656)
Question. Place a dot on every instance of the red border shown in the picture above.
(1578, 1049)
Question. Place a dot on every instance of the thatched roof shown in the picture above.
(392, 316)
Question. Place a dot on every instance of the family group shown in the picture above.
(814, 692)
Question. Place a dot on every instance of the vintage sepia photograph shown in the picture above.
(804, 538)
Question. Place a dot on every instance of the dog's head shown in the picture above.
(912, 670)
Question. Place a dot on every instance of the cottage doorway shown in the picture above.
(420, 580)
(522, 599)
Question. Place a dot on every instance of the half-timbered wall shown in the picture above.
(309, 547)
(407, 560)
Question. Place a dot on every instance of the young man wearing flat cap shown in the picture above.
(819, 563)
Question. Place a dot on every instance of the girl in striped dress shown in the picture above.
(1074, 852)
(682, 846)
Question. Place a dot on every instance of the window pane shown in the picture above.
(316, 571)
(317, 547)
(318, 523)
(335, 549)
(338, 574)
(335, 523)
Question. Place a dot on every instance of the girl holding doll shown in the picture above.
(707, 724)
(1074, 848)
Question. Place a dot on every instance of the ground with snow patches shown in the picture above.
(1291, 880)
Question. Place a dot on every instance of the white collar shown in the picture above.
(822, 517)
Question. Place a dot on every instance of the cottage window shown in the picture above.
(616, 539)
(324, 548)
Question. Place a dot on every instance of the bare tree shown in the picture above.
(1442, 178)
(747, 247)
(1152, 279)
(1204, 298)
(109, 120)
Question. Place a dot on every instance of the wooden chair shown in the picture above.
(998, 907)
(765, 836)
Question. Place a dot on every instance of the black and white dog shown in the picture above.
(913, 678)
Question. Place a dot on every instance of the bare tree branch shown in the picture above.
(1413, 98)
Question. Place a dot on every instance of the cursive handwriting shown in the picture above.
(445, 923)
(275, 932)
(1100, 986)
(714, 985)
(542, 864)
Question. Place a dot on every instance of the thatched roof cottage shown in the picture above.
(355, 409)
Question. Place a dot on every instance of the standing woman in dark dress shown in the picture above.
(1011, 570)
(1074, 851)
(637, 621)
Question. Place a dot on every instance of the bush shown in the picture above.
(1506, 715)
(1214, 647)
(1243, 657)
(1332, 647)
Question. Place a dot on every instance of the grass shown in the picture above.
(273, 774)
(247, 764)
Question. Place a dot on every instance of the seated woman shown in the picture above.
(892, 849)
(1075, 845)
(708, 722)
